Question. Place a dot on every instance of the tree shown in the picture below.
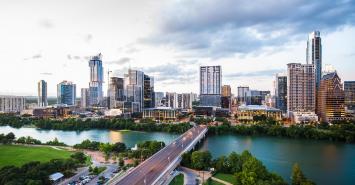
(298, 177)
(119, 147)
(201, 159)
(10, 137)
(120, 162)
(79, 156)
(106, 148)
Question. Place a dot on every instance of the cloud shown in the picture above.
(268, 72)
(46, 73)
(221, 28)
(36, 56)
(46, 23)
(120, 61)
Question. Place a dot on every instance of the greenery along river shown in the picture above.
(324, 162)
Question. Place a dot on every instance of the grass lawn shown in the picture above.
(178, 180)
(212, 182)
(18, 155)
(226, 177)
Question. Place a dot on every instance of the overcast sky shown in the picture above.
(251, 40)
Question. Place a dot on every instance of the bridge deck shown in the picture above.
(148, 171)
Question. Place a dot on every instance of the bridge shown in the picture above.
(156, 169)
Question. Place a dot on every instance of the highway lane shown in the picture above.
(148, 171)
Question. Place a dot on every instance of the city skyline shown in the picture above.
(250, 52)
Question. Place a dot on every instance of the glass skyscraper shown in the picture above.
(96, 80)
(66, 93)
(210, 85)
(42, 94)
(314, 55)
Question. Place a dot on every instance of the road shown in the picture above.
(149, 170)
(110, 168)
(81, 172)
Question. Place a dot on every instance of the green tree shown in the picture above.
(106, 148)
(201, 159)
(298, 178)
(119, 147)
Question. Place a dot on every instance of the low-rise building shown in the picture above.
(248, 112)
(56, 178)
(160, 113)
(48, 112)
(303, 117)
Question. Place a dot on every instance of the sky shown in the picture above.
(168, 39)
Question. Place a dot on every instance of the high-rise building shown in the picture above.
(148, 92)
(66, 93)
(96, 80)
(242, 90)
(12, 104)
(134, 89)
(255, 97)
(226, 90)
(84, 101)
(349, 90)
(210, 85)
(301, 93)
(115, 91)
(171, 100)
(42, 94)
(159, 96)
(331, 98)
(281, 92)
(314, 55)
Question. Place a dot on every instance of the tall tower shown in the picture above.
(281, 92)
(66, 93)
(42, 94)
(210, 85)
(314, 55)
(96, 80)
(301, 95)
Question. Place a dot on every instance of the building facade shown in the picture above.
(349, 90)
(159, 96)
(226, 90)
(171, 100)
(242, 90)
(314, 55)
(115, 91)
(84, 100)
(331, 99)
(281, 92)
(301, 92)
(66, 93)
(210, 85)
(149, 101)
(160, 114)
(12, 104)
(96, 80)
(42, 94)
(255, 97)
(134, 89)
(248, 112)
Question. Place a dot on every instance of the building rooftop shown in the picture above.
(56, 176)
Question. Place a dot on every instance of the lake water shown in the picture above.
(324, 162)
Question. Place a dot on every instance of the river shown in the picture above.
(324, 162)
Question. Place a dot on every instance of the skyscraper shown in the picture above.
(210, 85)
(171, 99)
(96, 80)
(134, 90)
(301, 94)
(42, 94)
(115, 91)
(84, 101)
(226, 90)
(281, 92)
(314, 55)
(12, 104)
(159, 96)
(331, 98)
(66, 93)
(242, 90)
(148, 92)
(349, 90)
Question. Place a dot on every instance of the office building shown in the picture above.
(187, 99)
(171, 100)
(148, 92)
(161, 114)
(12, 104)
(42, 94)
(255, 97)
(247, 113)
(84, 100)
(242, 90)
(349, 90)
(314, 55)
(210, 85)
(134, 90)
(66, 93)
(281, 92)
(96, 80)
(159, 96)
(331, 99)
(301, 95)
(115, 91)
(226, 90)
